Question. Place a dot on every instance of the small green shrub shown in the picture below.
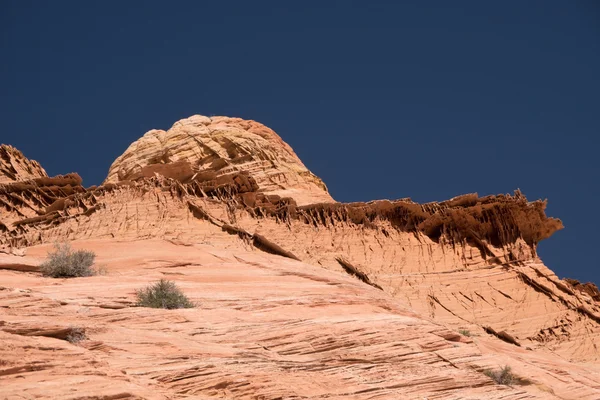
(163, 294)
(464, 332)
(66, 263)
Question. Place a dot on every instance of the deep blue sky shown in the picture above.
(420, 99)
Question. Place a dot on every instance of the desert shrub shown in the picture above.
(464, 332)
(163, 294)
(505, 376)
(66, 263)
(76, 335)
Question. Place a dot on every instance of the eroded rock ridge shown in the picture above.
(469, 262)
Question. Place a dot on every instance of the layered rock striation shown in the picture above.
(15, 167)
(265, 327)
(469, 263)
(216, 147)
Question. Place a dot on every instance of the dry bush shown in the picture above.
(163, 294)
(63, 262)
(76, 335)
(505, 376)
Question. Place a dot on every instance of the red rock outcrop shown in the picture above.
(219, 146)
(14, 166)
(230, 185)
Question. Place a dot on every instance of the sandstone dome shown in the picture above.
(221, 146)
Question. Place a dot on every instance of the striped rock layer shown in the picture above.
(299, 296)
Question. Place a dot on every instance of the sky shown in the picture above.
(381, 99)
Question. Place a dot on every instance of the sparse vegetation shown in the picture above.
(163, 294)
(63, 262)
(464, 332)
(76, 335)
(505, 376)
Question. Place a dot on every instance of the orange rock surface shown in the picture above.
(218, 146)
(298, 296)
(265, 327)
(15, 167)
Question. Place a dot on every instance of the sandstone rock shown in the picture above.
(219, 146)
(469, 263)
(587, 288)
(14, 166)
(36, 201)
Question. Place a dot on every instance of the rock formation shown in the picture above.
(233, 190)
(219, 146)
(15, 167)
